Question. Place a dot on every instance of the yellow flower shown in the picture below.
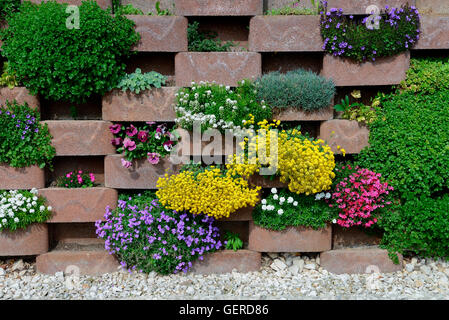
(356, 94)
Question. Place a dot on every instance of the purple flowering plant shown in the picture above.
(24, 141)
(147, 237)
(149, 141)
(392, 31)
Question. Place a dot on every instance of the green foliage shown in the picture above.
(283, 208)
(67, 64)
(294, 9)
(219, 107)
(24, 141)
(205, 41)
(409, 143)
(138, 81)
(8, 77)
(160, 12)
(128, 9)
(8, 6)
(421, 226)
(20, 208)
(298, 89)
(358, 111)
(233, 241)
(427, 75)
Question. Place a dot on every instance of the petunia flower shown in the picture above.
(153, 157)
(142, 136)
(125, 163)
(129, 144)
(168, 145)
(115, 128)
(131, 131)
(117, 141)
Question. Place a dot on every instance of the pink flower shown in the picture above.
(68, 175)
(142, 136)
(153, 157)
(168, 145)
(115, 128)
(129, 144)
(117, 141)
(150, 123)
(92, 177)
(131, 131)
(127, 164)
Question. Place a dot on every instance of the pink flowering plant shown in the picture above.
(149, 141)
(76, 179)
(359, 196)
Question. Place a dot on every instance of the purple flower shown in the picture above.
(129, 144)
(115, 128)
(125, 163)
(131, 131)
(153, 157)
(116, 141)
(142, 136)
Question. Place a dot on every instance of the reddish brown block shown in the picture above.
(358, 260)
(243, 214)
(160, 33)
(81, 138)
(360, 6)
(24, 242)
(20, 94)
(89, 262)
(225, 68)
(349, 135)
(382, 72)
(79, 204)
(218, 8)
(352, 237)
(434, 32)
(293, 114)
(225, 261)
(266, 182)
(285, 33)
(150, 105)
(21, 178)
(102, 3)
(433, 6)
(292, 239)
(142, 175)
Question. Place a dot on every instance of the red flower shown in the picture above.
(142, 136)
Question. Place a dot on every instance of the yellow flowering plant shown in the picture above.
(210, 191)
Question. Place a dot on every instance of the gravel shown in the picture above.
(282, 276)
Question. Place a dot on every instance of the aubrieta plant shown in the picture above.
(20, 208)
(24, 141)
(147, 237)
(146, 141)
(282, 209)
(393, 31)
(138, 81)
(219, 107)
(76, 179)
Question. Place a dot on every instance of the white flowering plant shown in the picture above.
(283, 208)
(20, 208)
(219, 107)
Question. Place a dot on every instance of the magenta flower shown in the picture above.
(142, 136)
(117, 141)
(153, 157)
(168, 145)
(115, 128)
(158, 133)
(129, 144)
(131, 131)
(127, 164)
(150, 123)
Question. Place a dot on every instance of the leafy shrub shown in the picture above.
(298, 89)
(219, 107)
(421, 226)
(20, 208)
(146, 141)
(147, 237)
(283, 208)
(138, 81)
(397, 30)
(24, 141)
(427, 75)
(8, 6)
(358, 111)
(8, 77)
(131, 10)
(76, 179)
(233, 241)
(408, 143)
(294, 9)
(205, 41)
(67, 64)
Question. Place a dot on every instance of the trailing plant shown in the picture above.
(282, 209)
(147, 237)
(211, 191)
(218, 106)
(145, 141)
(20, 208)
(8, 77)
(358, 111)
(138, 81)
(297, 89)
(294, 9)
(408, 143)
(205, 41)
(393, 31)
(24, 141)
(64, 63)
(427, 75)
(420, 226)
(128, 9)
(76, 179)
(360, 197)
(7, 7)
(233, 241)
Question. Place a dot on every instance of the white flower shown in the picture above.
(4, 220)
(16, 220)
(49, 208)
(264, 207)
(334, 221)
(280, 211)
(275, 197)
(328, 195)
(41, 208)
(274, 190)
(295, 204)
(281, 199)
(289, 200)
(31, 210)
(264, 201)
(34, 198)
